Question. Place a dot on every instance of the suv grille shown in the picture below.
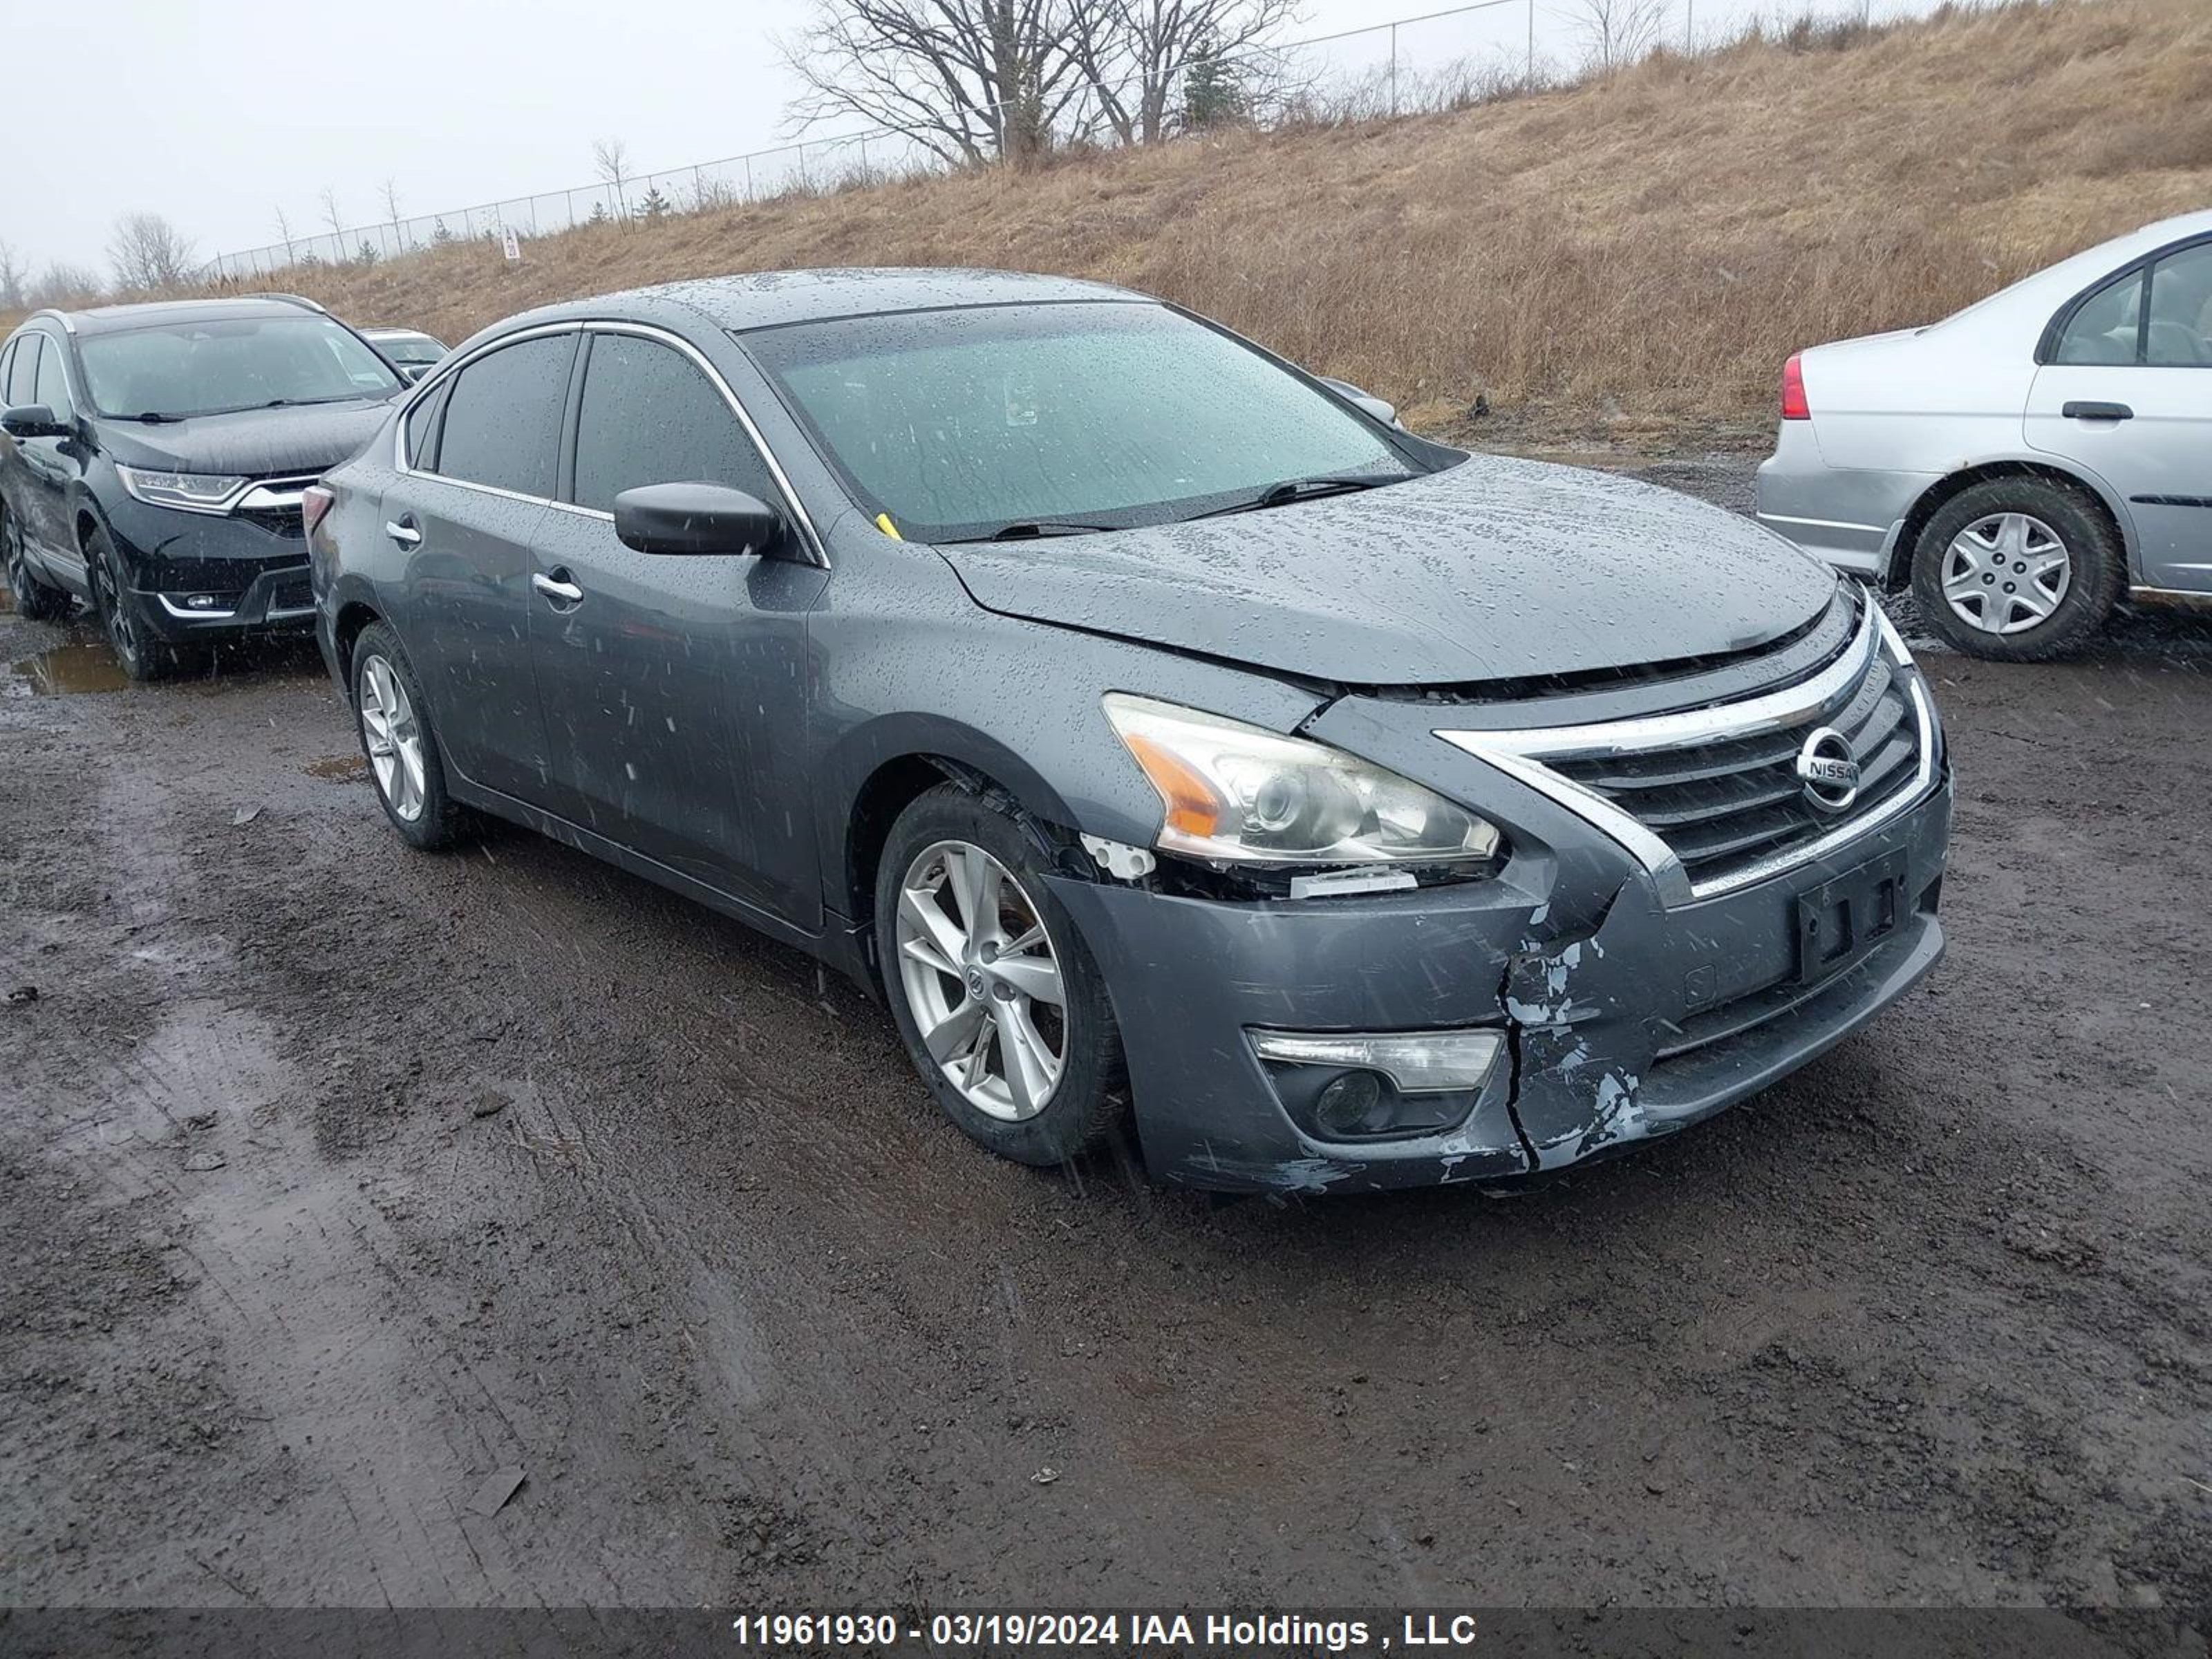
(1730, 802)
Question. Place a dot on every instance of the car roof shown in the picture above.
(771, 299)
(115, 320)
(393, 331)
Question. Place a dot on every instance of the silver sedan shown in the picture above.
(2022, 466)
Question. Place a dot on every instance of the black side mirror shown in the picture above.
(1386, 413)
(696, 517)
(32, 420)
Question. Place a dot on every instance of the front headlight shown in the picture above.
(195, 492)
(1238, 793)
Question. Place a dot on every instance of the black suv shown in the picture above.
(152, 458)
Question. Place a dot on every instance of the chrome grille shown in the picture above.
(1708, 798)
(1719, 805)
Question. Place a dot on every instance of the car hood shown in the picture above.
(251, 442)
(1496, 569)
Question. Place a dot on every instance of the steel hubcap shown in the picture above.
(982, 980)
(2006, 573)
(393, 736)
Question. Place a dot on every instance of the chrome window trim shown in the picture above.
(455, 362)
(1521, 755)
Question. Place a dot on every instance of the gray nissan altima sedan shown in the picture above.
(1170, 738)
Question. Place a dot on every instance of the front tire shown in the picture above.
(393, 721)
(1000, 1007)
(142, 657)
(2018, 569)
(34, 600)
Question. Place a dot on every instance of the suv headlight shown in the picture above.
(195, 492)
(1238, 793)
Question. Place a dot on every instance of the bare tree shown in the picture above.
(12, 275)
(968, 79)
(60, 284)
(147, 252)
(610, 159)
(1616, 33)
(1135, 55)
(284, 231)
(391, 193)
(331, 217)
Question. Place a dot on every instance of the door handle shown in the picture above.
(563, 593)
(403, 531)
(2080, 411)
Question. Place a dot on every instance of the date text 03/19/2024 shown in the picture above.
(1222, 1632)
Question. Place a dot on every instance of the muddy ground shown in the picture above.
(338, 1178)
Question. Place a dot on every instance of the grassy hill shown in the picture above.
(1630, 255)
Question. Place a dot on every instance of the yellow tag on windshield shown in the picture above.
(884, 523)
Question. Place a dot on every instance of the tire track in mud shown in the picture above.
(757, 1321)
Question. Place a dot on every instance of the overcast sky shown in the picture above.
(214, 112)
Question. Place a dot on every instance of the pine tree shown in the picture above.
(599, 214)
(655, 204)
(1213, 92)
(367, 255)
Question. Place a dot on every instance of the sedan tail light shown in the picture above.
(1794, 406)
(315, 500)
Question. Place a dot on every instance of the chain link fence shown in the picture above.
(1410, 64)
(1435, 60)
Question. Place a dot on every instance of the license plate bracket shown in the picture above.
(1840, 920)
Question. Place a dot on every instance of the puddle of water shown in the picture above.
(338, 769)
(67, 670)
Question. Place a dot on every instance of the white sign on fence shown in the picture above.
(512, 244)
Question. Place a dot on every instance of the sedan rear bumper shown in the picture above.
(1648, 1023)
(1851, 518)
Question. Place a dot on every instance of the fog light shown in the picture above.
(1367, 1086)
(199, 601)
(1348, 1105)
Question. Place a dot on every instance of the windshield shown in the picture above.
(215, 366)
(410, 348)
(958, 423)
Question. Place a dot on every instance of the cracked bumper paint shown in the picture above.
(1637, 1026)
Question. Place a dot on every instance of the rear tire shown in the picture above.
(972, 947)
(35, 601)
(2018, 569)
(393, 721)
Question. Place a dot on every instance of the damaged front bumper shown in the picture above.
(1623, 1019)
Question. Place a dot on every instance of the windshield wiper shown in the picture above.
(151, 418)
(1024, 530)
(1299, 489)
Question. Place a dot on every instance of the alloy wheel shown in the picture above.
(2006, 573)
(394, 736)
(114, 614)
(11, 553)
(982, 980)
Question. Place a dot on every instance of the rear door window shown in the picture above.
(2103, 329)
(502, 423)
(422, 428)
(650, 416)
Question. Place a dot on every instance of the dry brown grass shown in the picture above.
(1635, 253)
